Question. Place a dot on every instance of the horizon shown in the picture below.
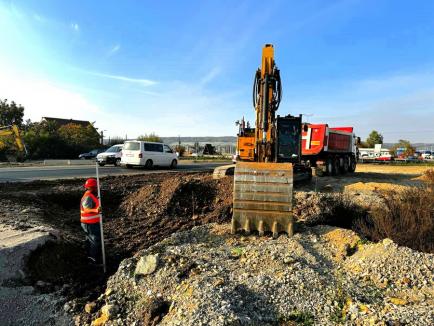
(189, 69)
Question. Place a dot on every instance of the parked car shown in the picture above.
(148, 154)
(92, 154)
(427, 155)
(110, 156)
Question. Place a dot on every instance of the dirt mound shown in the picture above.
(157, 210)
(374, 186)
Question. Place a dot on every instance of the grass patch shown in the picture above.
(407, 217)
(297, 318)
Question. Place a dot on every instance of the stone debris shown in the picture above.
(146, 265)
(208, 277)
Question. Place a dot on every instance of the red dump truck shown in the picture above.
(329, 150)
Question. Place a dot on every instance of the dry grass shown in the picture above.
(393, 169)
(407, 217)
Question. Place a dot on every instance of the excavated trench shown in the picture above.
(138, 212)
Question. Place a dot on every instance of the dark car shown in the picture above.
(92, 154)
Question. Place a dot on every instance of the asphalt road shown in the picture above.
(14, 174)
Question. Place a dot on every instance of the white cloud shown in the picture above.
(212, 74)
(178, 109)
(141, 81)
(39, 18)
(42, 98)
(113, 50)
(75, 27)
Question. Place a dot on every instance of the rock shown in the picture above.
(147, 265)
(387, 242)
(41, 284)
(398, 301)
(67, 307)
(108, 311)
(100, 321)
(90, 307)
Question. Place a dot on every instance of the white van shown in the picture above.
(147, 154)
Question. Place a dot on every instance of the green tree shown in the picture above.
(11, 113)
(374, 138)
(45, 140)
(150, 137)
(78, 136)
(406, 145)
(363, 144)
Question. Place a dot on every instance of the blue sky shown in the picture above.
(186, 67)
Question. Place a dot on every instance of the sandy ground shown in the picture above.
(392, 169)
(368, 177)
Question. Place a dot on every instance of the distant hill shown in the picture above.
(418, 146)
(201, 140)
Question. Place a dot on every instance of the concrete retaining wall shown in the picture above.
(68, 162)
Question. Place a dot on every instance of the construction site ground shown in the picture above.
(139, 211)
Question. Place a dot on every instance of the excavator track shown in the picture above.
(263, 198)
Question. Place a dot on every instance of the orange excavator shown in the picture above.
(12, 154)
(269, 156)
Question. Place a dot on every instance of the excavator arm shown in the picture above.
(12, 130)
(267, 93)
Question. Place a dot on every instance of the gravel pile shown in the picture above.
(322, 276)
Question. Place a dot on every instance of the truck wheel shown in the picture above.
(149, 164)
(352, 166)
(101, 164)
(346, 165)
(329, 166)
(174, 164)
(117, 162)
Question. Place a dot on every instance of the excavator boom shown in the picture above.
(15, 132)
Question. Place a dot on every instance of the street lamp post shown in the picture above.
(102, 136)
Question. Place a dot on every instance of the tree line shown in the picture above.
(376, 138)
(47, 139)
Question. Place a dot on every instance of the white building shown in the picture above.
(377, 151)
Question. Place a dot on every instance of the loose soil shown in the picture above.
(139, 211)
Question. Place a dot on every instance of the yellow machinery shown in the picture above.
(15, 132)
(263, 187)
